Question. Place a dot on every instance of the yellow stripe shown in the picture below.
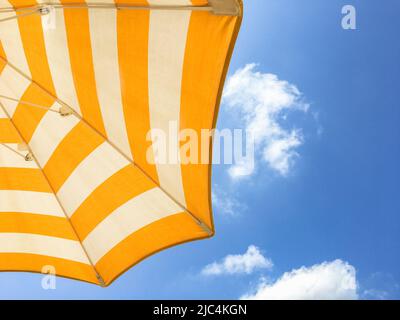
(80, 51)
(207, 47)
(26, 179)
(160, 235)
(8, 134)
(115, 191)
(199, 2)
(35, 263)
(32, 37)
(74, 148)
(132, 2)
(3, 55)
(133, 33)
(16, 222)
(27, 118)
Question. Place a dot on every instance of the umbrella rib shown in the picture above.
(197, 220)
(99, 277)
(42, 9)
(42, 6)
(27, 103)
(229, 8)
(21, 15)
(15, 151)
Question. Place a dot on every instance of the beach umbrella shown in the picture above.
(84, 87)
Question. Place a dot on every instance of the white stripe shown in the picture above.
(30, 202)
(50, 132)
(167, 42)
(12, 43)
(59, 62)
(9, 159)
(13, 85)
(101, 164)
(103, 31)
(43, 245)
(6, 15)
(135, 214)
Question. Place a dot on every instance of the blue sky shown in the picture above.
(339, 196)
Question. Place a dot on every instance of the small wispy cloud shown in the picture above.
(226, 203)
(374, 294)
(334, 280)
(380, 286)
(264, 102)
(245, 263)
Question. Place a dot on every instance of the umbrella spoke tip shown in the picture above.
(65, 111)
(29, 157)
(225, 7)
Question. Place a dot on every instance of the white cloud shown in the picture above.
(226, 203)
(329, 280)
(374, 294)
(240, 263)
(263, 102)
(280, 152)
(380, 286)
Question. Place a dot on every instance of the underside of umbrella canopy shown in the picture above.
(81, 86)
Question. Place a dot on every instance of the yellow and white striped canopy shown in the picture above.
(76, 190)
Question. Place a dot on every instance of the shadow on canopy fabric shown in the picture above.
(77, 100)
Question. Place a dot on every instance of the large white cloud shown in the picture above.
(245, 263)
(263, 101)
(329, 280)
